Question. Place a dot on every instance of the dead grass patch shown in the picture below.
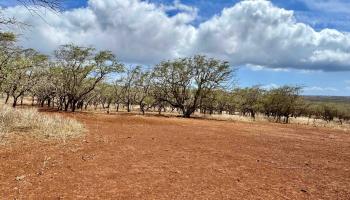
(30, 121)
(261, 118)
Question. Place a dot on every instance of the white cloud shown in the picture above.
(249, 32)
(259, 33)
(137, 31)
(320, 89)
(261, 68)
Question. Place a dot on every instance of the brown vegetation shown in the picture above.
(32, 123)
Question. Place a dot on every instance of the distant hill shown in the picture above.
(328, 99)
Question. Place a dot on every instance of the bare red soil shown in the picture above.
(135, 157)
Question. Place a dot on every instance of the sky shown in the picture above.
(272, 43)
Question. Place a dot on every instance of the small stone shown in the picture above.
(19, 178)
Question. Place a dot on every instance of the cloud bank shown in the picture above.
(248, 33)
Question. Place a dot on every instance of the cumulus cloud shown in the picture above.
(255, 33)
(137, 31)
(259, 33)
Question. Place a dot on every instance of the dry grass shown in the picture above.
(33, 123)
(261, 118)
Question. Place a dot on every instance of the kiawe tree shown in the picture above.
(249, 100)
(143, 91)
(7, 53)
(80, 70)
(282, 102)
(24, 73)
(184, 82)
(128, 86)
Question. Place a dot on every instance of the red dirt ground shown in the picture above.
(135, 157)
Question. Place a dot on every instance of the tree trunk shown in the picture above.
(142, 108)
(49, 102)
(287, 119)
(252, 114)
(14, 102)
(66, 106)
(128, 106)
(7, 98)
(73, 105)
(33, 99)
(187, 113)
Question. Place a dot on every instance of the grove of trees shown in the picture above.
(78, 77)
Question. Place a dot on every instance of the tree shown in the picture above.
(46, 90)
(329, 112)
(184, 82)
(143, 91)
(128, 84)
(249, 100)
(80, 69)
(281, 102)
(25, 73)
(217, 100)
(118, 94)
(7, 53)
(106, 95)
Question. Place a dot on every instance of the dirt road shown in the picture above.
(135, 157)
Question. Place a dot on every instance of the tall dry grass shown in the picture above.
(261, 118)
(30, 121)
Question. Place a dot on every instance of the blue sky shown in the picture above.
(319, 14)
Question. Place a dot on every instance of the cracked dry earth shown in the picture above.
(147, 157)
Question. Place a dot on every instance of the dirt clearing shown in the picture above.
(136, 157)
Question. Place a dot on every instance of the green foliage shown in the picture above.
(80, 69)
(24, 73)
(282, 102)
(7, 37)
(184, 83)
(249, 100)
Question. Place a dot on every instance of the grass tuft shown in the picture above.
(30, 121)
